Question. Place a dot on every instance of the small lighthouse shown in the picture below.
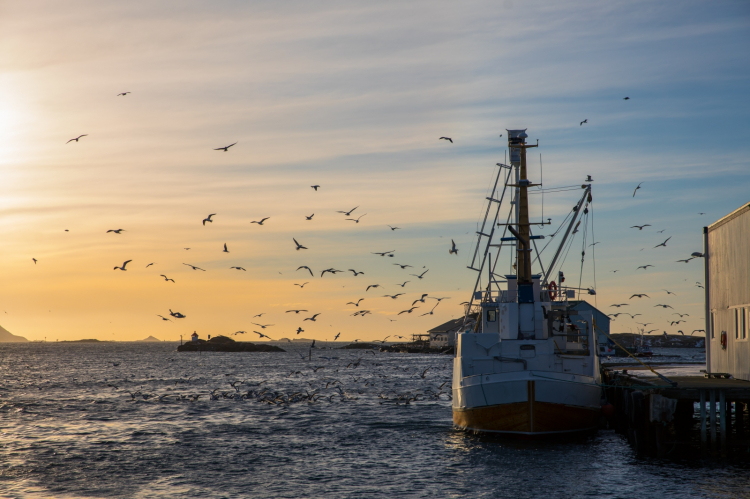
(194, 337)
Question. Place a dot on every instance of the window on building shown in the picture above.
(491, 315)
(712, 325)
(737, 323)
(743, 323)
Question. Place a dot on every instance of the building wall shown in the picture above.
(729, 289)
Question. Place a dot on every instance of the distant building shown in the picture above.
(601, 322)
(445, 334)
(194, 336)
(727, 287)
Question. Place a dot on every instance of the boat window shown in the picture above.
(491, 315)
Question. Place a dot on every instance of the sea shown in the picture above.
(141, 420)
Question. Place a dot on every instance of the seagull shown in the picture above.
(194, 267)
(640, 296)
(356, 220)
(76, 139)
(336, 337)
(239, 332)
(311, 318)
(644, 267)
(305, 267)
(225, 248)
(310, 217)
(348, 213)
(684, 261)
(644, 324)
(639, 186)
(295, 311)
(584, 121)
(331, 270)
(446, 138)
(424, 295)
(420, 275)
(669, 292)
(626, 98)
(697, 254)
(593, 244)
(300, 330)
(299, 247)
(316, 187)
(259, 315)
(383, 253)
(164, 318)
(208, 218)
(453, 250)
(698, 331)
(672, 323)
(116, 231)
(122, 93)
(681, 315)
(431, 312)
(262, 326)
(664, 243)
(166, 278)
(150, 264)
(402, 285)
(301, 285)
(238, 268)
(663, 306)
(123, 265)
(178, 315)
(394, 228)
(640, 227)
(407, 311)
(372, 286)
(393, 296)
(618, 305)
(35, 260)
(261, 221)
(186, 249)
(355, 272)
(225, 149)
(699, 285)
(402, 266)
(355, 304)
(261, 335)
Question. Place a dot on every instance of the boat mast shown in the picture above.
(517, 145)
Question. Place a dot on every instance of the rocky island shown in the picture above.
(225, 344)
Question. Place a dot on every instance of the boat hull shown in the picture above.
(534, 415)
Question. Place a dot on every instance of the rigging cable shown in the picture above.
(593, 236)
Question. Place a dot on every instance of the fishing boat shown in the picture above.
(526, 364)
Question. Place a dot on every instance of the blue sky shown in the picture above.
(351, 96)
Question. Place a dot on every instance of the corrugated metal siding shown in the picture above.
(729, 286)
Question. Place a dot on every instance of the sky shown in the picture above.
(351, 96)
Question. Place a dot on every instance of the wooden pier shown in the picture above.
(659, 416)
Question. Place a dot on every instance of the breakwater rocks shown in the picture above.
(225, 344)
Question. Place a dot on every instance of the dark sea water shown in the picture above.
(71, 429)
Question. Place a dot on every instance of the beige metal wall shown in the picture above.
(728, 286)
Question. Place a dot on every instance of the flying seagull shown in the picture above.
(626, 98)
(394, 228)
(300, 330)
(348, 213)
(407, 311)
(424, 295)
(166, 278)
(262, 326)
(402, 266)
(402, 285)
(225, 149)
(305, 267)
(663, 306)
(238, 268)
(123, 265)
(355, 304)
(164, 318)
(446, 138)
(420, 275)
(116, 231)
(664, 243)
(178, 315)
(208, 218)
(640, 227)
(355, 272)
(383, 253)
(122, 93)
(372, 286)
(644, 267)
(453, 250)
(35, 260)
(295, 311)
(584, 121)
(641, 295)
(299, 247)
(225, 248)
(261, 221)
(150, 264)
(315, 187)
(636, 189)
(311, 318)
(301, 285)
(76, 139)
(356, 220)
(393, 296)
(310, 217)
(194, 267)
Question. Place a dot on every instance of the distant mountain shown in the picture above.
(7, 337)
(151, 338)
